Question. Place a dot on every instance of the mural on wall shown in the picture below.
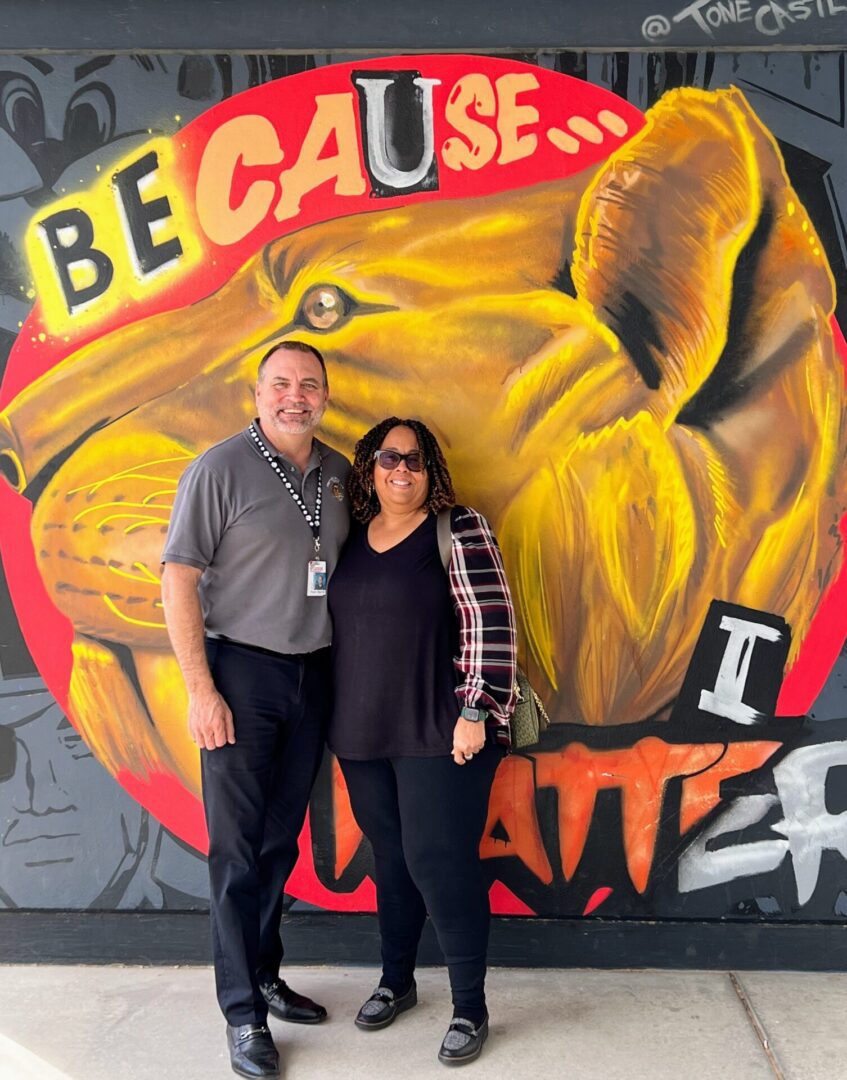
(62, 118)
(622, 324)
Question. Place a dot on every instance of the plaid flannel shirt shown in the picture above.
(487, 637)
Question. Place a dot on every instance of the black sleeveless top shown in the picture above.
(394, 638)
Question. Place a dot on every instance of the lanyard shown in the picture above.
(314, 522)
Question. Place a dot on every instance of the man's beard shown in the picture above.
(290, 425)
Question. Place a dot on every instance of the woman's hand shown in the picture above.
(468, 739)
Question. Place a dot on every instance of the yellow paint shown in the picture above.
(133, 474)
(619, 523)
(102, 506)
(144, 522)
(127, 618)
(146, 577)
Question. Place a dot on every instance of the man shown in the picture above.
(257, 525)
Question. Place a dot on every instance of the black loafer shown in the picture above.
(382, 1007)
(463, 1042)
(285, 1004)
(252, 1051)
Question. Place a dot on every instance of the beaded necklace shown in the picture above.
(313, 521)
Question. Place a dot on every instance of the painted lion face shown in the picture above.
(632, 373)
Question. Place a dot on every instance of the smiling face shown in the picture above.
(401, 490)
(291, 394)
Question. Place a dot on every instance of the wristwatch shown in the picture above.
(474, 715)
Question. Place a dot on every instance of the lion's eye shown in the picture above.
(324, 307)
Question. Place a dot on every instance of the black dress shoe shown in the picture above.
(285, 1004)
(251, 1050)
(383, 1006)
(463, 1042)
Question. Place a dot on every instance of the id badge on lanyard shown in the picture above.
(316, 578)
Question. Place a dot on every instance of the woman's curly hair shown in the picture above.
(364, 503)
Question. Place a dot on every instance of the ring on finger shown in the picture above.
(467, 757)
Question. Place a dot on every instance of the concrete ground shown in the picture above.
(145, 1023)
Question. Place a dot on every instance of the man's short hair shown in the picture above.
(295, 346)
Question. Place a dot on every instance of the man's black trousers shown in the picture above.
(255, 795)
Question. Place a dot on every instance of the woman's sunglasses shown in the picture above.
(390, 459)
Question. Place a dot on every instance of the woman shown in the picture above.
(424, 667)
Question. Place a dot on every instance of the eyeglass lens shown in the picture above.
(390, 459)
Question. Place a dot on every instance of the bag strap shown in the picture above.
(445, 538)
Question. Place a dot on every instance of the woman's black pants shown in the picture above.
(424, 817)
(255, 795)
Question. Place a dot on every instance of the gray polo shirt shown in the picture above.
(234, 519)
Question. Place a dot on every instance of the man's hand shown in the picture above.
(210, 720)
(209, 717)
(468, 738)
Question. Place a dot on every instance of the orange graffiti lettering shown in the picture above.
(475, 93)
(242, 142)
(348, 835)
(471, 91)
(334, 120)
(577, 773)
(702, 792)
(511, 117)
(640, 772)
(512, 805)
